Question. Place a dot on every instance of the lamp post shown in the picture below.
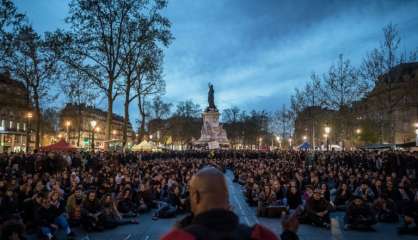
(93, 124)
(29, 116)
(114, 132)
(67, 125)
(280, 141)
(358, 132)
(304, 138)
(326, 140)
(290, 143)
(416, 134)
(260, 140)
(327, 131)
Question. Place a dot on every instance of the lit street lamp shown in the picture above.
(114, 134)
(290, 143)
(93, 124)
(358, 132)
(67, 125)
(260, 140)
(416, 133)
(280, 141)
(29, 116)
(327, 131)
(304, 138)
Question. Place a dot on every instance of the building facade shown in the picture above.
(75, 126)
(387, 114)
(392, 105)
(14, 112)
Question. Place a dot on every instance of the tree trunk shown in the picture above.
(37, 119)
(142, 118)
(125, 121)
(79, 119)
(126, 113)
(109, 118)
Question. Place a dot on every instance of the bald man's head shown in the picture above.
(208, 191)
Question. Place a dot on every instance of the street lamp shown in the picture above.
(327, 131)
(29, 116)
(279, 140)
(290, 143)
(93, 124)
(260, 140)
(304, 138)
(114, 134)
(67, 125)
(326, 139)
(416, 133)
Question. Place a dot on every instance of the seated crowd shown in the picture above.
(45, 193)
(369, 187)
(42, 193)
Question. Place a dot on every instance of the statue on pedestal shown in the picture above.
(211, 99)
(213, 136)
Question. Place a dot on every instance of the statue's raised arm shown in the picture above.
(211, 98)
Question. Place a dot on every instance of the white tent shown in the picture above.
(143, 146)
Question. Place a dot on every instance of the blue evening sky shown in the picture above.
(256, 52)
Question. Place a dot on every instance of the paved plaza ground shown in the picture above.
(149, 229)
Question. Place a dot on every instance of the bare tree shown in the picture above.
(149, 83)
(94, 44)
(80, 92)
(376, 69)
(160, 109)
(142, 35)
(33, 63)
(10, 23)
(342, 87)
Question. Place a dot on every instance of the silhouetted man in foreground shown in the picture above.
(211, 215)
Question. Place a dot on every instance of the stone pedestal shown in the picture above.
(212, 135)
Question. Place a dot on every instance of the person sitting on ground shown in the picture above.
(294, 198)
(91, 213)
(45, 217)
(125, 204)
(211, 215)
(359, 216)
(111, 216)
(290, 225)
(342, 197)
(57, 206)
(317, 210)
(74, 202)
(385, 209)
(365, 192)
(410, 218)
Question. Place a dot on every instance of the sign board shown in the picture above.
(213, 145)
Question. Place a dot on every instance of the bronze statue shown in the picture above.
(211, 99)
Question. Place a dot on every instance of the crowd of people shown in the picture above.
(43, 193)
(369, 187)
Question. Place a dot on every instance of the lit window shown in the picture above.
(17, 126)
(11, 124)
(24, 126)
(2, 123)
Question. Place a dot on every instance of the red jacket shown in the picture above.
(216, 222)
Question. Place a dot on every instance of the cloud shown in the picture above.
(257, 52)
